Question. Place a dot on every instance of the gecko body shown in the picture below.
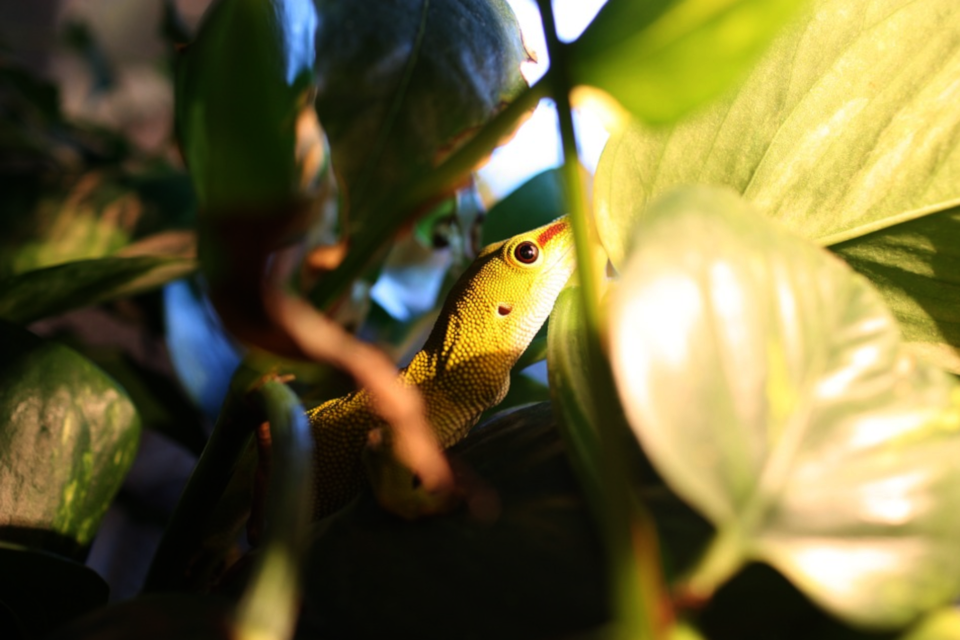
(487, 321)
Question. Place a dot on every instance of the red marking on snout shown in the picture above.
(547, 234)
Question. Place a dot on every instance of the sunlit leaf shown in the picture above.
(54, 290)
(401, 84)
(769, 385)
(68, 434)
(939, 625)
(662, 58)
(847, 126)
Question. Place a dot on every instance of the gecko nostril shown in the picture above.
(504, 309)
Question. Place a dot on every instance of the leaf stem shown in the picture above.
(630, 536)
(268, 608)
(406, 203)
(181, 540)
(722, 558)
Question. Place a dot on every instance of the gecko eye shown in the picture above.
(526, 252)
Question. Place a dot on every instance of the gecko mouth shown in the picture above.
(504, 309)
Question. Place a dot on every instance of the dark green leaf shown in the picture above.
(402, 83)
(523, 390)
(662, 58)
(246, 126)
(68, 434)
(42, 591)
(916, 266)
(54, 290)
(163, 617)
(535, 203)
(769, 386)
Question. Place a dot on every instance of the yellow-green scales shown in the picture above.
(486, 323)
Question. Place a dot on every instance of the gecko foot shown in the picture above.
(396, 487)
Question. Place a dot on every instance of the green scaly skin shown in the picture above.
(486, 323)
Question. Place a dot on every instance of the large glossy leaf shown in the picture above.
(662, 58)
(68, 434)
(247, 129)
(769, 385)
(402, 83)
(847, 126)
(54, 290)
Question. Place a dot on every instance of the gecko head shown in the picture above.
(509, 290)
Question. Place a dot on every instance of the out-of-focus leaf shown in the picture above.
(769, 385)
(662, 58)
(43, 591)
(68, 435)
(54, 290)
(846, 131)
(939, 625)
(401, 84)
(535, 203)
(91, 219)
(159, 400)
(243, 105)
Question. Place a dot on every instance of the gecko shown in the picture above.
(486, 323)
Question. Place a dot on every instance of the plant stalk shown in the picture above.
(182, 538)
(268, 608)
(630, 537)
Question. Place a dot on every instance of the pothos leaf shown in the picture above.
(68, 435)
(769, 385)
(401, 84)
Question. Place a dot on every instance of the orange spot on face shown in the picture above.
(547, 234)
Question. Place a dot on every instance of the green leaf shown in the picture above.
(915, 265)
(524, 390)
(68, 435)
(54, 290)
(83, 218)
(43, 591)
(244, 118)
(939, 625)
(846, 127)
(847, 123)
(402, 84)
(662, 58)
(535, 203)
(769, 385)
